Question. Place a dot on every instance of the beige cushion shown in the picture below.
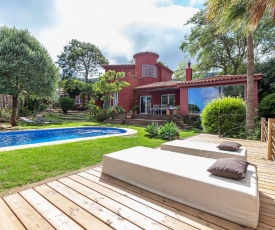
(232, 168)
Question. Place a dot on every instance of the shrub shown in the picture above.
(267, 106)
(119, 109)
(103, 114)
(24, 112)
(169, 131)
(5, 115)
(153, 129)
(94, 109)
(42, 107)
(232, 113)
(66, 103)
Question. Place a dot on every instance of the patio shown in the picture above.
(88, 199)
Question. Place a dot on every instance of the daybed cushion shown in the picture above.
(184, 178)
(229, 145)
(232, 168)
(202, 149)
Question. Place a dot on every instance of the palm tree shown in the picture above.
(244, 16)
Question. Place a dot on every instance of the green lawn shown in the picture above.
(24, 166)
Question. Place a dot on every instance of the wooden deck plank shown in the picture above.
(26, 213)
(105, 215)
(7, 219)
(76, 202)
(210, 220)
(53, 215)
(137, 218)
(195, 217)
(123, 198)
(75, 212)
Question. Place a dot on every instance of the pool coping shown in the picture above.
(9, 148)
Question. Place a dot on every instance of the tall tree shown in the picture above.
(219, 52)
(242, 15)
(108, 84)
(80, 60)
(25, 67)
(180, 72)
(267, 84)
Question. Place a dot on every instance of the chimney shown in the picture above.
(189, 72)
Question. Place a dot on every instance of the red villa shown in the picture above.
(154, 91)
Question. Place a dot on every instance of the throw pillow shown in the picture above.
(232, 168)
(229, 145)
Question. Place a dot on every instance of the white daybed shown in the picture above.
(184, 178)
(202, 149)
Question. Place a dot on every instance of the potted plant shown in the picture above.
(135, 108)
(178, 109)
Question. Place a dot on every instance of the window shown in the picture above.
(168, 99)
(149, 70)
(115, 101)
(78, 100)
(198, 98)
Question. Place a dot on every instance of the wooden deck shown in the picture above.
(92, 200)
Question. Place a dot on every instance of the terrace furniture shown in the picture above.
(44, 121)
(161, 109)
(185, 179)
(203, 149)
(30, 121)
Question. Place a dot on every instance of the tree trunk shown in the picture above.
(14, 109)
(250, 84)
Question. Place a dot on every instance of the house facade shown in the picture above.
(153, 90)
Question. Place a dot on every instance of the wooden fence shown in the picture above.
(5, 101)
(268, 135)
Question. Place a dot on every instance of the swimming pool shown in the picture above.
(56, 135)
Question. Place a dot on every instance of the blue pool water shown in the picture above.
(25, 137)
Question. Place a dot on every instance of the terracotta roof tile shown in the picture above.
(175, 84)
(161, 84)
(146, 52)
(219, 78)
(120, 66)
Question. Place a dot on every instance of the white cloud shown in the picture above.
(120, 28)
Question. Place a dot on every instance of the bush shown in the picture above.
(232, 113)
(267, 106)
(169, 131)
(94, 109)
(119, 109)
(153, 129)
(66, 103)
(42, 107)
(24, 112)
(103, 114)
(5, 115)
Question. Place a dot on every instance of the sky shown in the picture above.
(119, 28)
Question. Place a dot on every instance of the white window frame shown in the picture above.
(168, 98)
(115, 100)
(78, 100)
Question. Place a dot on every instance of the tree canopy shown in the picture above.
(80, 60)
(109, 83)
(225, 52)
(242, 16)
(25, 67)
(267, 84)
